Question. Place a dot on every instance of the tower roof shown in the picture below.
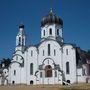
(21, 25)
(51, 18)
(21, 29)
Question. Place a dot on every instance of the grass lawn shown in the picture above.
(46, 87)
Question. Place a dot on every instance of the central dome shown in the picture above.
(50, 19)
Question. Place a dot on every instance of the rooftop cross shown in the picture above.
(51, 9)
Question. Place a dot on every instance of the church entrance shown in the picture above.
(48, 74)
(48, 71)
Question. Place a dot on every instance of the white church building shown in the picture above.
(51, 61)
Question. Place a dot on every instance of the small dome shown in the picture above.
(51, 18)
(21, 26)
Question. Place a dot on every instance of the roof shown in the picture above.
(82, 56)
(21, 30)
(51, 18)
(21, 25)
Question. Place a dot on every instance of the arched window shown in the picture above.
(43, 32)
(43, 52)
(14, 72)
(50, 31)
(67, 68)
(23, 41)
(41, 74)
(55, 73)
(31, 69)
(83, 72)
(31, 53)
(66, 51)
(48, 71)
(48, 49)
(19, 41)
(54, 52)
(16, 57)
(57, 31)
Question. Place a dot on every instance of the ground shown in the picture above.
(47, 87)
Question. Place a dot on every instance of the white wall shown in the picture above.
(17, 77)
(44, 46)
(31, 59)
(50, 60)
(71, 58)
(54, 28)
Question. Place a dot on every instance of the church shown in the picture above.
(51, 61)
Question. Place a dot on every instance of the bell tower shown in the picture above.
(21, 38)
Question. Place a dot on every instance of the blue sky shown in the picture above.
(75, 15)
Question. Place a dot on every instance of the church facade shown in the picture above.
(52, 61)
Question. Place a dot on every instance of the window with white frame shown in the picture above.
(67, 68)
(31, 69)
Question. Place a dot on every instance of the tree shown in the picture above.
(6, 62)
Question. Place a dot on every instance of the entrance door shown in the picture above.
(48, 74)
(48, 71)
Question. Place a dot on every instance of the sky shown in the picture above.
(74, 13)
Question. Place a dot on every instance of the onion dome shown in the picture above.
(21, 25)
(21, 29)
(50, 19)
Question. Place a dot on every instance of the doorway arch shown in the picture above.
(48, 71)
(13, 82)
(31, 82)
